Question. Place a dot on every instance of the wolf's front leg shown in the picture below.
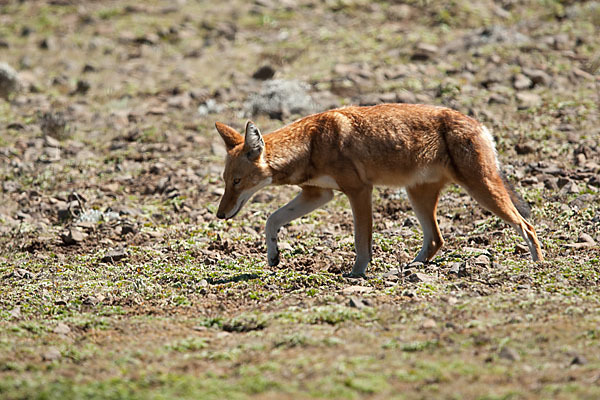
(308, 200)
(360, 200)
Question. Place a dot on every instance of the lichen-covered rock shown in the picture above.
(9, 81)
(280, 98)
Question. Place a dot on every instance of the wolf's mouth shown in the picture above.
(238, 209)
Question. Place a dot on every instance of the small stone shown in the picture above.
(93, 300)
(415, 264)
(578, 359)
(281, 98)
(528, 100)
(521, 249)
(9, 81)
(54, 124)
(72, 236)
(15, 313)
(82, 87)
(537, 76)
(509, 353)
(424, 52)
(62, 329)
(524, 148)
(22, 273)
(203, 283)
(458, 269)
(482, 260)
(392, 275)
(585, 238)
(49, 141)
(10, 186)
(562, 181)
(114, 256)
(356, 302)
(570, 188)
(420, 277)
(218, 149)
(405, 96)
(356, 289)
(496, 98)
(123, 229)
(47, 44)
(263, 73)
(429, 324)
(51, 354)
(50, 155)
(521, 82)
(285, 246)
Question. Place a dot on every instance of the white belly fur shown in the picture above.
(323, 181)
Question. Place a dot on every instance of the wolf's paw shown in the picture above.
(274, 261)
(355, 276)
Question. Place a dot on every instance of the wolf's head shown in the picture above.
(245, 169)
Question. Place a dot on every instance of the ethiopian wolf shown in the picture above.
(353, 149)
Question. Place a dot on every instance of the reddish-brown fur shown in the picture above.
(353, 149)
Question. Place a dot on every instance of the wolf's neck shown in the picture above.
(288, 155)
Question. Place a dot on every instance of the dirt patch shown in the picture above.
(119, 281)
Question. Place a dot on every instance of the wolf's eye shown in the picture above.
(236, 181)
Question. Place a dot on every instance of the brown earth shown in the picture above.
(118, 281)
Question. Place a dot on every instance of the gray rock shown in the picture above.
(15, 313)
(263, 73)
(62, 329)
(424, 51)
(10, 186)
(585, 238)
(458, 269)
(82, 87)
(521, 82)
(51, 354)
(372, 99)
(22, 273)
(537, 76)
(356, 302)
(210, 106)
(524, 148)
(420, 277)
(578, 359)
(114, 256)
(280, 98)
(96, 216)
(528, 100)
(72, 236)
(509, 353)
(9, 82)
(218, 149)
(489, 35)
(406, 97)
(482, 260)
(496, 98)
(54, 124)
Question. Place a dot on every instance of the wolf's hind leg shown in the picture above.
(493, 195)
(424, 199)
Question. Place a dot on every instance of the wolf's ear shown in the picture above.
(230, 136)
(253, 143)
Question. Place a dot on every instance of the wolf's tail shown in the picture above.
(520, 204)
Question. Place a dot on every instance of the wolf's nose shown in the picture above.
(221, 215)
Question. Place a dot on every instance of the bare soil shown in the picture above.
(118, 281)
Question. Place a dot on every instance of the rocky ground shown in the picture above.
(118, 281)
